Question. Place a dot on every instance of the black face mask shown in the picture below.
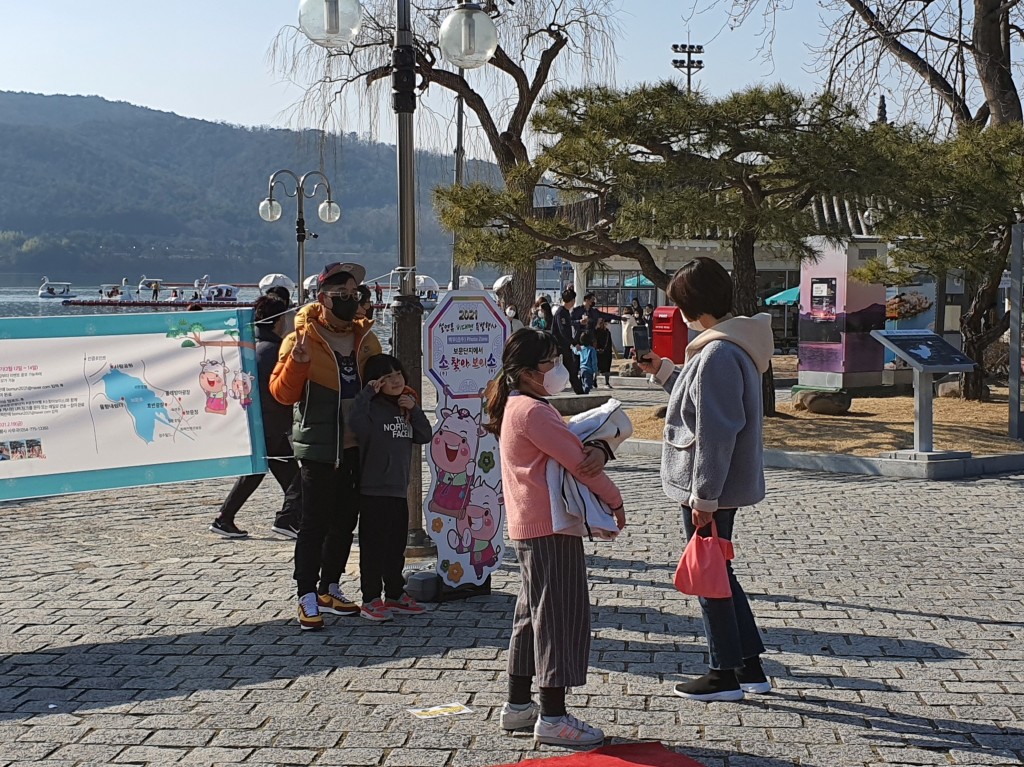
(344, 309)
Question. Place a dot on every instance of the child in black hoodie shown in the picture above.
(387, 421)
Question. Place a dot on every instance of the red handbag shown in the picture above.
(701, 570)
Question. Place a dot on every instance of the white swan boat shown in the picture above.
(59, 290)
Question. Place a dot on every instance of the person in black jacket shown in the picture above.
(603, 345)
(585, 317)
(562, 329)
(269, 313)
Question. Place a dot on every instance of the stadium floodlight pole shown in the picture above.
(690, 64)
(329, 211)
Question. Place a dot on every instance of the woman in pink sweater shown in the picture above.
(551, 630)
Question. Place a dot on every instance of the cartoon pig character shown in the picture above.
(241, 388)
(475, 532)
(453, 449)
(211, 381)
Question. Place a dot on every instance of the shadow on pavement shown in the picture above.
(102, 674)
(931, 734)
(826, 605)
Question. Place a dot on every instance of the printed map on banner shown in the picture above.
(465, 509)
(73, 404)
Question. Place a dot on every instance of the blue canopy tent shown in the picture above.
(789, 297)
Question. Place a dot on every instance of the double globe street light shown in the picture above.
(468, 39)
(329, 211)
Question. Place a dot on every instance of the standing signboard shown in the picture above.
(928, 354)
(95, 403)
(465, 511)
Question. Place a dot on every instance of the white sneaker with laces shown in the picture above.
(567, 731)
(518, 719)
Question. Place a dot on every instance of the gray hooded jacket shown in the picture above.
(386, 438)
(712, 457)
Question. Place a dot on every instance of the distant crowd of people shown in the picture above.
(583, 334)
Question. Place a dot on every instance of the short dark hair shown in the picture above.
(586, 339)
(702, 286)
(568, 295)
(281, 292)
(380, 365)
(590, 297)
(364, 293)
(267, 309)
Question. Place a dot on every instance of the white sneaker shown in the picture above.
(516, 719)
(567, 731)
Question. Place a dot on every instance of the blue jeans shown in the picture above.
(587, 379)
(728, 623)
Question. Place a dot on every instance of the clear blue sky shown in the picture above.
(208, 58)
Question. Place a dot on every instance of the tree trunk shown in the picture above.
(522, 290)
(744, 287)
(941, 276)
(744, 274)
(991, 45)
(978, 335)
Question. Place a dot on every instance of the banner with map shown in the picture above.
(100, 402)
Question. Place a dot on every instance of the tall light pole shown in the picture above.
(467, 39)
(460, 170)
(690, 64)
(329, 211)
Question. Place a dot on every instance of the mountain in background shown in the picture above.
(98, 190)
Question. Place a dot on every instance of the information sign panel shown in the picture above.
(102, 402)
(925, 351)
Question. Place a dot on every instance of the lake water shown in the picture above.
(24, 302)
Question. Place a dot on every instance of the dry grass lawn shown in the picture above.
(876, 425)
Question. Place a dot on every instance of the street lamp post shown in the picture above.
(467, 39)
(329, 211)
(690, 64)
(460, 169)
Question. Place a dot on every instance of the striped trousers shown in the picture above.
(551, 628)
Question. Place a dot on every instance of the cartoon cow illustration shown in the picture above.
(241, 388)
(475, 532)
(454, 448)
(211, 381)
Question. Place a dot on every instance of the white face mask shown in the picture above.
(556, 379)
(694, 325)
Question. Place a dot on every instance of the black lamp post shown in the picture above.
(468, 39)
(329, 211)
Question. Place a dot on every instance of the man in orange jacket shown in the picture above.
(320, 371)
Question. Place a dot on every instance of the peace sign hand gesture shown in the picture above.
(300, 352)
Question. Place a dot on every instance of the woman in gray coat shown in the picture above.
(712, 461)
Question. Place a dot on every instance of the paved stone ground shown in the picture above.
(892, 611)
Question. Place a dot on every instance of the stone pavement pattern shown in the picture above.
(892, 611)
